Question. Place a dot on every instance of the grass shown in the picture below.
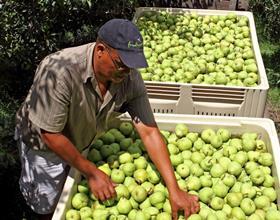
(274, 96)
(270, 51)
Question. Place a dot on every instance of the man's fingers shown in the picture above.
(196, 198)
(197, 207)
(112, 190)
(107, 194)
(95, 194)
(193, 208)
(101, 196)
(187, 213)
(174, 214)
(114, 184)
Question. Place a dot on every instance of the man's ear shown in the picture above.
(100, 49)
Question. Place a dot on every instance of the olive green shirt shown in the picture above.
(65, 97)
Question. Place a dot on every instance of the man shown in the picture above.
(74, 94)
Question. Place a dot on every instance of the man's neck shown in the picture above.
(102, 84)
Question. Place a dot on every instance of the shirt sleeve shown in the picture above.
(138, 106)
(49, 99)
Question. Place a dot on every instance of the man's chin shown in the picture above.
(118, 80)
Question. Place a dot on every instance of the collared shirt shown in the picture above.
(65, 97)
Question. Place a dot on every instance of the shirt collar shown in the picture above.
(89, 73)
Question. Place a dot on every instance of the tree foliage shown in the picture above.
(269, 12)
(31, 29)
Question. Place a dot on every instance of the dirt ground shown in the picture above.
(274, 114)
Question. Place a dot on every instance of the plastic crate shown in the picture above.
(237, 125)
(187, 98)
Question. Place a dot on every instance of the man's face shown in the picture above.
(111, 67)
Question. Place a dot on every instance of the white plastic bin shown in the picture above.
(237, 125)
(187, 98)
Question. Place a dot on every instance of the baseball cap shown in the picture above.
(124, 36)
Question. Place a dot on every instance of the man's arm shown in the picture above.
(100, 184)
(159, 154)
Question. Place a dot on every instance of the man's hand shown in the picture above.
(181, 200)
(101, 185)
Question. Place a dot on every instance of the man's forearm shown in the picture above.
(64, 148)
(159, 154)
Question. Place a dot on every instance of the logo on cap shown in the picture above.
(136, 44)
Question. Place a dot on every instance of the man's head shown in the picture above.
(125, 37)
(119, 49)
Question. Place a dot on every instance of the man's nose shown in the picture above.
(126, 70)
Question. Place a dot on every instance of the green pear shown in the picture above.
(139, 194)
(135, 151)
(248, 206)
(133, 203)
(184, 144)
(132, 214)
(140, 215)
(150, 212)
(101, 214)
(125, 158)
(126, 128)
(206, 194)
(94, 155)
(217, 203)
(106, 169)
(83, 187)
(193, 183)
(140, 175)
(224, 134)
(113, 161)
(128, 168)
(257, 176)
(145, 204)
(72, 214)
(206, 180)
(270, 193)
(195, 217)
(117, 176)
(124, 206)
(149, 187)
(181, 130)
(80, 200)
(108, 138)
(140, 163)
(167, 206)
(157, 197)
(173, 149)
(272, 215)
(217, 170)
(122, 191)
(220, 189)
(128, 180)
(234, 199)
(97, 144)
(207, 135)
(237, 213)
(163, 216)
(125, 143)
(192, 136)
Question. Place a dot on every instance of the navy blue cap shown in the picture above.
(124, 36)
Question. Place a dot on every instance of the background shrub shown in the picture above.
(269, 12)
(31, 29)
